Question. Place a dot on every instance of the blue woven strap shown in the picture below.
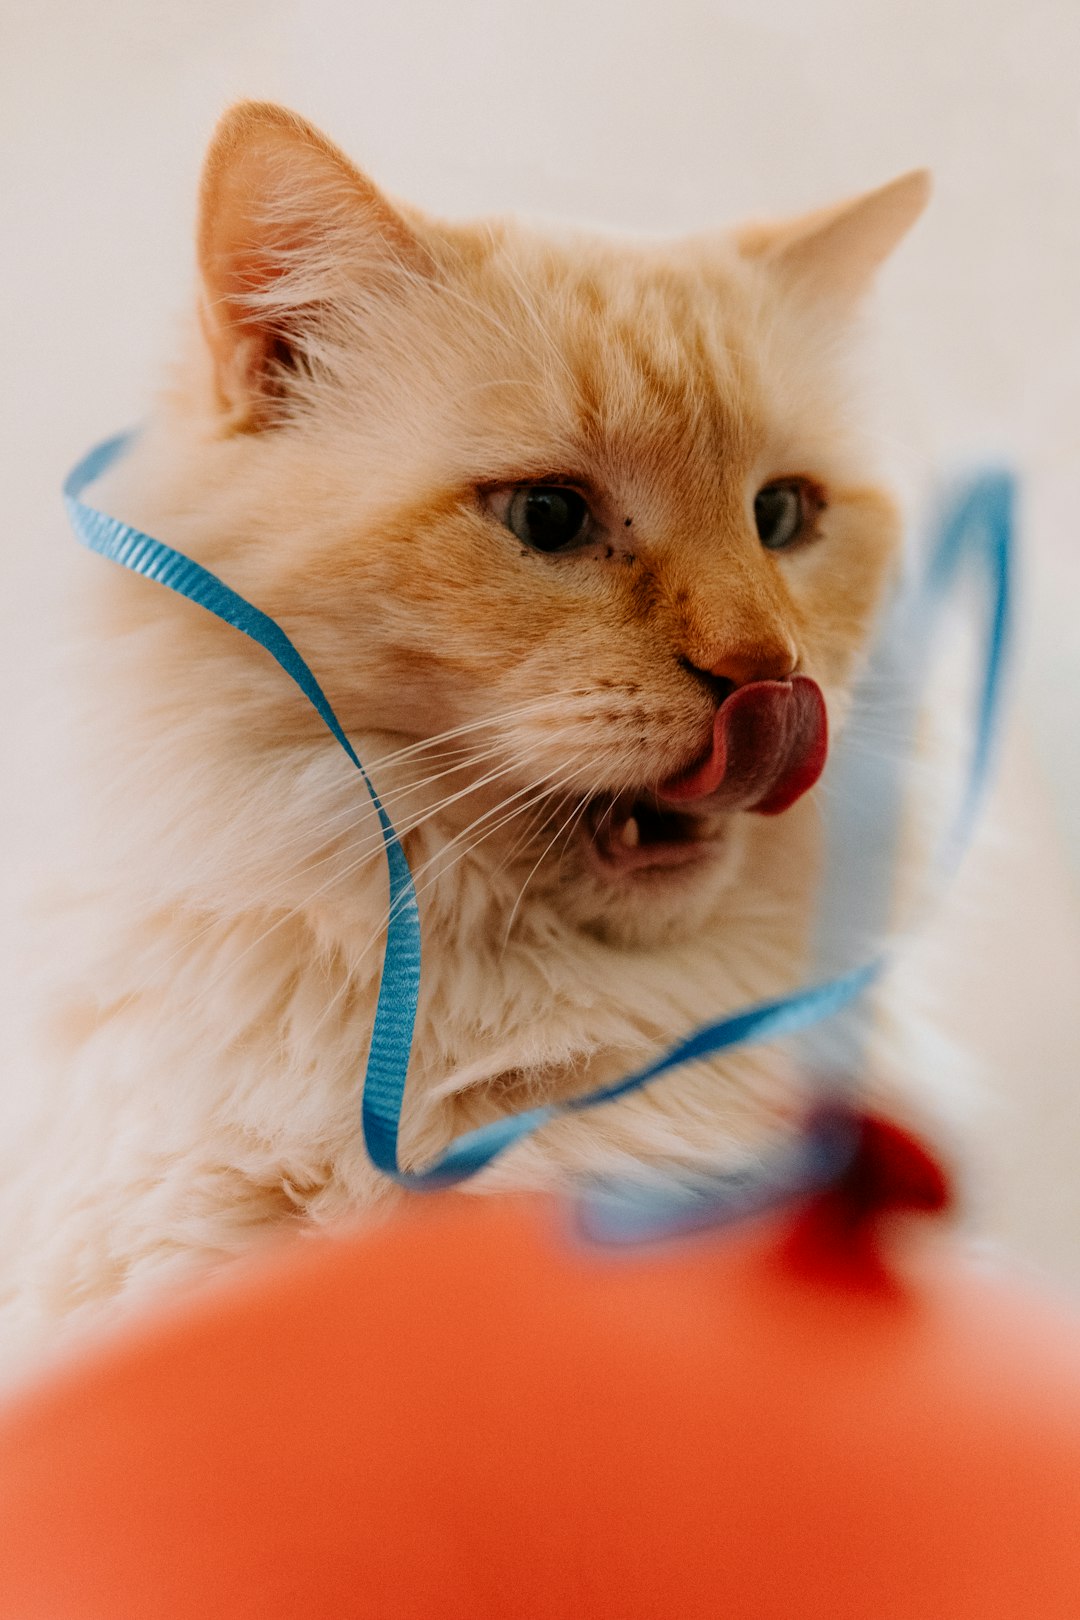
(976, 531)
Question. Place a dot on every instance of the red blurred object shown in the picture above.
(476, 1413)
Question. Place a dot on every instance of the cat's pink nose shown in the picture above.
(744, 663)
(768, 747)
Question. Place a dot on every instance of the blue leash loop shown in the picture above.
(975, 533)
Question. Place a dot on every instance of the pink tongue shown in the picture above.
(768, 747)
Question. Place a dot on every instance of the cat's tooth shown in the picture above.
(631, 833)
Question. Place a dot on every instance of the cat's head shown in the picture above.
(557, 494)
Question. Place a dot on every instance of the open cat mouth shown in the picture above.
(768, 747)
(628, 833)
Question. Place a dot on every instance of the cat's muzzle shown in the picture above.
(768, 747)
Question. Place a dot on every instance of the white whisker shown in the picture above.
(517, 903)
(531, 795)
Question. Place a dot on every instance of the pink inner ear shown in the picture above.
(769, 745)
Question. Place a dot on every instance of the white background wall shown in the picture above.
(659, 117)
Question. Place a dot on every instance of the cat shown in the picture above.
(536, 505)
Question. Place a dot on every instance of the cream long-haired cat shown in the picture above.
(535, 505)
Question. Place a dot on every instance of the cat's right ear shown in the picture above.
(287, 225)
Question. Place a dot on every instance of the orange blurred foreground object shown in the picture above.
(476, 1413)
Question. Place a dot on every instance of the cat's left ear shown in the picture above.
(834, 252)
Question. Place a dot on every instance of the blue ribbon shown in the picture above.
(975, 531)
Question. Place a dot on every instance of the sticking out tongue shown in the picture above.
(768, 747)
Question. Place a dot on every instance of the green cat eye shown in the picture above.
(547, 517)
(782, 512)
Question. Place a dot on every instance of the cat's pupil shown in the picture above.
(547, 518)
(779, 514)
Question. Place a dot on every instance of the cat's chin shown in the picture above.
(665, 887)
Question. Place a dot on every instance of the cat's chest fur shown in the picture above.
(205, 1063)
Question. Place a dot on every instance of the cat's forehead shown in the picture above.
(631, 354)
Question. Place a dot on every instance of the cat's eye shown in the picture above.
(784, 512)
(547, 517)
